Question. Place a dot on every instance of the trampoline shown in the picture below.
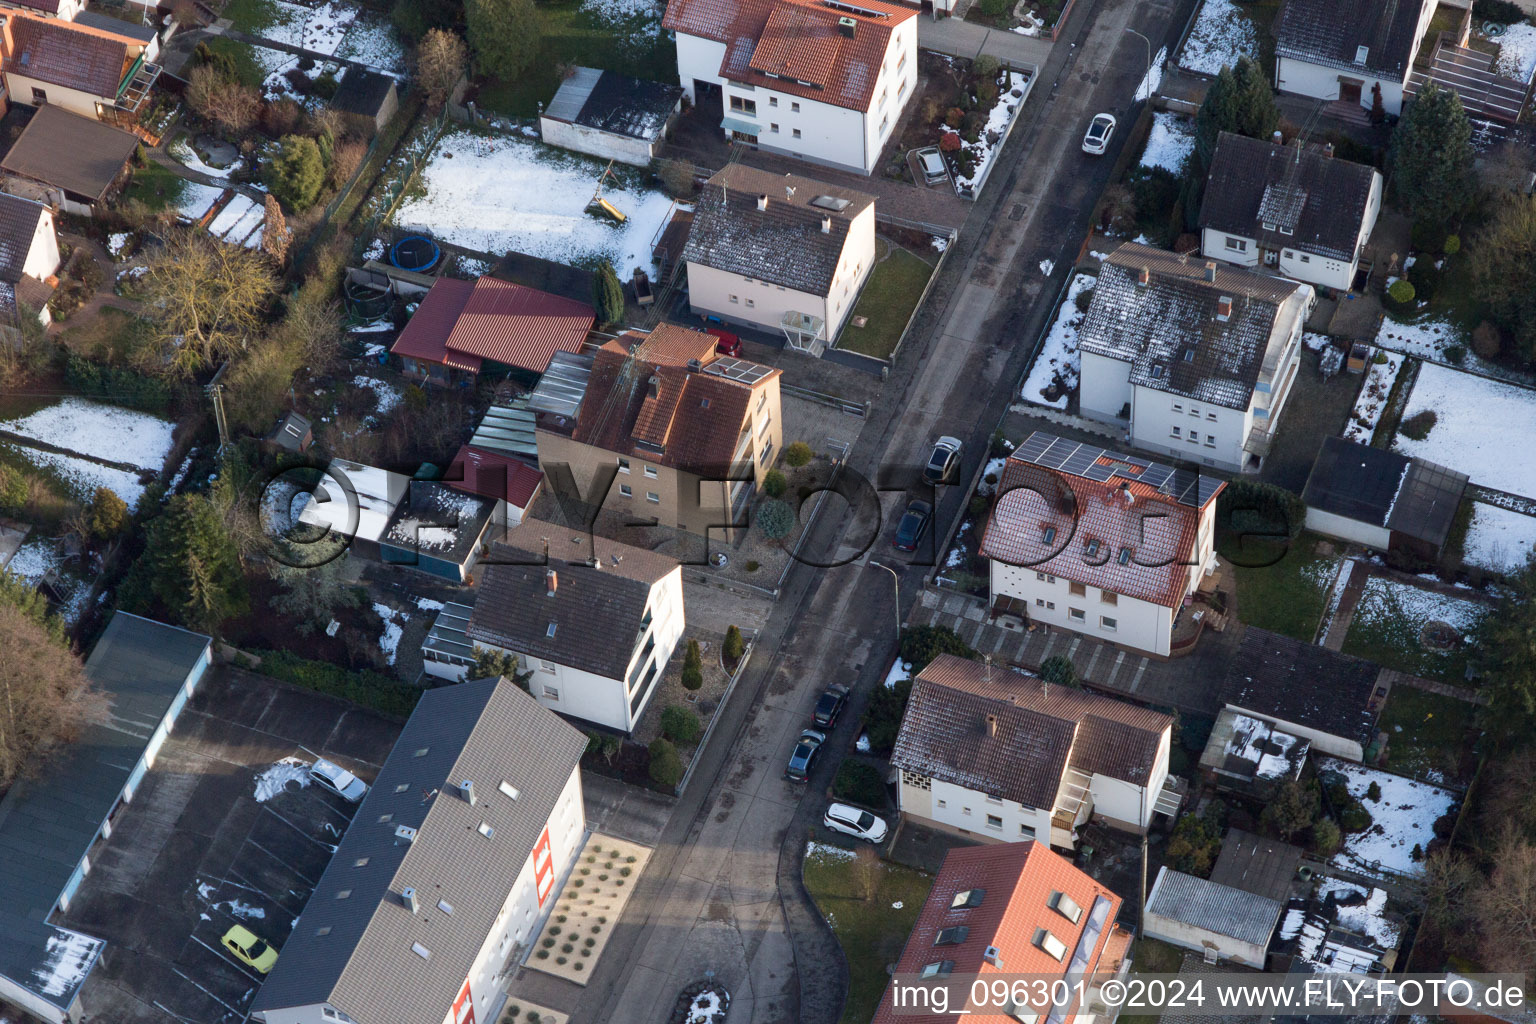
(415, 253)
(365, 301)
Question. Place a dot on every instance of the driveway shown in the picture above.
(205, 845)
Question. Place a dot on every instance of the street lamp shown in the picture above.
(1147, 81)
(896, 583)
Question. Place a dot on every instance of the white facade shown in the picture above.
(605, 145)
(804, 128)
(66, 12)
(1322, 742)
(43, 255)
(34, 91)
(1297, 264)
(734, 297)
(1330, 524)
(1334, 81)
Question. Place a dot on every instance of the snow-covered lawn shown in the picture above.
(1403, 818)
(1481, 428)
(1388, 628)
(1498, 539)
(1222, 33)
(1372, 400)
(387, 395)
(373, 41)
(500, 193)
(1058, 359)
(1387, 599)
(1169, 143)
(320, 28)
(1433, 338)
(1517, 52)
(196, 199)
(101, 432)
(899, 670)
(1008, 102)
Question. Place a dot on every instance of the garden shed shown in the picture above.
(1382, 499)
(366, 100)
(611, 116)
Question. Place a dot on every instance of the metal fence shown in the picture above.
(393, 181)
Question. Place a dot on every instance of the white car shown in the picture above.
(854, 822)
(1096, 140)
(338, 780)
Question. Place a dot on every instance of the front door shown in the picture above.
(1350, 90)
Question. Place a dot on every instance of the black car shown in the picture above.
(804, 755)
(914, 523)
(829, 705)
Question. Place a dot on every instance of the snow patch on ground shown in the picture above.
(1047, 266)
(244, 911)
(828, 851)
(1153, 80)
(427, 604)
(100, 431)
(1222, 33)
(195, 199)
(621, 11)
(33, 559)
(1388, 599)
(386, 394)
(1517, 52)
(389, 643)
(274, 780)
(1169, 142)
(1403, 818)
(372, 40)
(1372, 400)
(997, 124)
(1362, 910)
(1058, 358)
(1499, 540)
(1479, 428)
(182, 152)
(500, 193)
(862, 743)
(899, 670)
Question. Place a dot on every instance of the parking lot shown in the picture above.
(223, 831)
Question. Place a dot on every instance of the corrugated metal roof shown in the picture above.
(563, 385)
(507, 428)
(1221, 909)
(572, 94)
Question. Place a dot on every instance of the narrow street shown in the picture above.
(722, 892)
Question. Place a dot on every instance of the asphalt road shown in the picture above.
(722, 891)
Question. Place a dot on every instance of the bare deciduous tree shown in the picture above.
(228, 104)
(211, 297)
(440, 62)
(865, 872)
(275, 234)
(1505, 906)
(44, 697)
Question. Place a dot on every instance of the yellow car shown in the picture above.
(250, 950)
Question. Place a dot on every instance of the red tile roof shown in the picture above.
(1018, 880)
(492, 475)
(797, 40)
(59, 53)
(1122, 516)
(493, 319)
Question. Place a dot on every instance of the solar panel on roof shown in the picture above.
(830, 203)
(737, 370)
(1101, 465)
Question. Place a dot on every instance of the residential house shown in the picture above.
(146, 671)
(819, 80)
(593, 619)
(460, 326)
(997, 755)
(446, 872)
(66, 10)
(1350, 53)
(97, 165)
(1327, 698)
(104, 73)
(1223, 922)
(366, 100)
(667, 429)
(1382, 499)
(1197, 357)
(779, 252)
(610, 116)
(1101, 543)
(135, 33)
(1020, 910)
(29, 257)
(1298, 210)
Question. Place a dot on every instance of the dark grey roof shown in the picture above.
(1384, 488)
(1305, 684)
(1170, 329)
(117, 26)
(487, 731)
(594, 614)
(74, 153)
(1331, 33)
(290, 431)
(618, 104)
(783, 244)
(47, 823)
(1213, 907)
(361, 91)
(1320, 200)
(437, 521)
(18, 227)
(1258, 865)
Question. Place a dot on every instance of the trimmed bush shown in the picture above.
(693, 667)
(775, 519)
(1373, 791)
(1326, 838)
(734, 646)
(1417, 427)
(1353, 817)
(1401, 292)
(774, 484)
(1425, 278)
(859, 783)
(666, 767)
(370, 689)
(1452, 245)
(679, 724)
(752, 565)
(798, 454)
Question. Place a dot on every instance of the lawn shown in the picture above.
(1388, 622)
(871, 932)
(1425, 733)
(1150, 956)
(612, 34)
(1289, 596)
(155, 187)
(890, 295)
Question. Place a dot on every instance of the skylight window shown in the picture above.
(939, 969)
(445, 907)
(508, 790)
(952, 936)
(1050, 944)
(486, 830)
(966, 899)
(1066, 906)
(551, 631)
(1092, 547)
(1124, 557)
(1048, 535)
(421, 951)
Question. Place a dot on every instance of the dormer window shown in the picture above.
(1361, 53)
(1124, 558)
(951, 936)
(1092, 547)
(1269, 225)
(967, 899)
(1066, 906)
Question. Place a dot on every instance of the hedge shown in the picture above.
(370, 689)
(859, 783)
(118, 385)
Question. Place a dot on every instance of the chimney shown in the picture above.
(993, 956)
(1224, 308)
(1328, 149)
(762, 202)
(1144, 277)
(695, 366)
(849, 27)
(404, 834)
(826, 225)
(408, 899)
(1210, 271)
(467, 790)
(653, 387)
(1278, 137)
(552, 580)
(991, 725)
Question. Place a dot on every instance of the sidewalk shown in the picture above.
(966, 39)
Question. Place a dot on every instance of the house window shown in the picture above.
(1178, 407)
(1050, 579)
(1066, 906)
(1026, 832)
(1305, 258)
(1053, 946)
(626, 490)
(421, 951)
(1237, 244)
(996, 801)
(1076, 614)
(650, 471)
(743, 106)
(1210, 440)
(773, 101)
(938, 969)
(1194, 410)
(544, 666)
(1194, 437)
(965, 811)
(1286, 231)
(1077, 589)
(552, 693)
(773, 128)
(885, 94)
(1040, 576)
(653, 497)
(1039, 602)
(951, 936)
(795, 109)
(901, 91)
(796, 132)
(1050, 606)
(767, 453)
(1109, 596)
(1269, 225)
(1108, 623)
(39, 96)
(735, 299)
(967, 899)
(901, 63)
(943, 803)
(623, 465)
(750, 303)
(1210, 416)
(995, 821)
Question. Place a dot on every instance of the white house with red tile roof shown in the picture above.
(1101, 543)
(820, 80)
(1013, 910)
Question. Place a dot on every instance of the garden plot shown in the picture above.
(101, 445)
(37, 559)
(1391, 626)
(1517, 52)
(1475, 420)
(505, 193)
(1402, 820)
(1222, 33)
(1441, 341)
(1499, 540)
(196, 199)
(1057, 366)
(993, 133)
(372, 40)
(589, 907)
(1169, 142)
(1372, 401)
(319, 29)
(240, 223)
